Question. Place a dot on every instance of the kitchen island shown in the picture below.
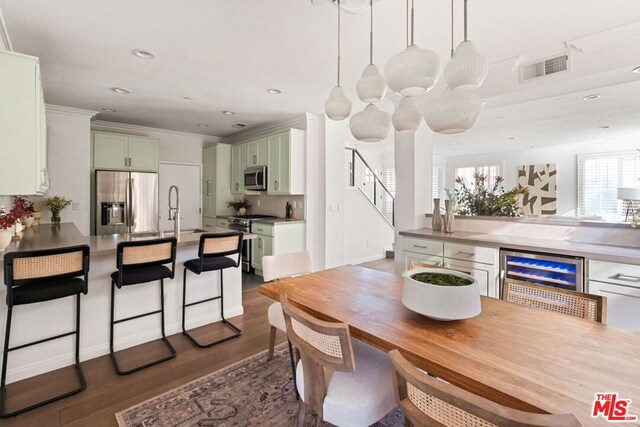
(36, 321)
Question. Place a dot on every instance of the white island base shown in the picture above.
(37, 321)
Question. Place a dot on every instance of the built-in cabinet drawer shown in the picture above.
(423, 246)
(208, 222)
(263, 229)
(620, 274)
(222, 222)
(485, 275)
(623, 304)
(416, 260)
(470, 253)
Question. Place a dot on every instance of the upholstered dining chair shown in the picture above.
(577, 304)
(276, 267)
(345, 382)
(427, 401)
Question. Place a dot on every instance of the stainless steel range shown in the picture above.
(243, 223)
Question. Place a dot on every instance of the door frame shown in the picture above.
(199, 165)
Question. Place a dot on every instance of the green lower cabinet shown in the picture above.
(277, 239)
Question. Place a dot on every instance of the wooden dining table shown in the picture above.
(522, 357)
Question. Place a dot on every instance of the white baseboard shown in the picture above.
(367, 259)
(67, 359)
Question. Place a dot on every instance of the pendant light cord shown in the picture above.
(452, 1)
(338, 42)
(371, 34)
(412, 21)
(406, 13)
(465, 21)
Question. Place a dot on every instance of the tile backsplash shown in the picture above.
(275, 205)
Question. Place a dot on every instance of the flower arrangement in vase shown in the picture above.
(240, 206)
(7, 221)
(56, 204)
(24, 207)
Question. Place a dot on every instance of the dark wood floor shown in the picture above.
(108, 393)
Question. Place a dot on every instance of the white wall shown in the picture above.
(335, 136)
(367, 231)
(564, 156)
(315, 195)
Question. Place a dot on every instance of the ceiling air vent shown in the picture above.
(544, 67)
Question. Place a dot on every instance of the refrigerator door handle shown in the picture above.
(134, 209)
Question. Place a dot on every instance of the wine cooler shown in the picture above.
(564, 272)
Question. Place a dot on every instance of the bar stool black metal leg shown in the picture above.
(172, 351)
(184, 302)
(236, 330)
(3, 388)
(293, 370)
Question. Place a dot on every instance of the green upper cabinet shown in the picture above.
(208, 170)
(238, 163)
(124, 152)
(257, 152)
(286, 165)
(143, 154)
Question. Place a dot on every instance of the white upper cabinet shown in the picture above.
(115, 151)
(23, 129)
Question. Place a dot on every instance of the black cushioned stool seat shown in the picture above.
(214, 254)
(29, 294)
(134, 276)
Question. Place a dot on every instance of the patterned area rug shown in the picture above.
(250, 392)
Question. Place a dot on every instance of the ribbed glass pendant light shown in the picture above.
(371, 124)
(414, 70)
(337, 106)
(467, 69)
(371, 86)
(454, 111)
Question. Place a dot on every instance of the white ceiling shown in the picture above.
(225, 54)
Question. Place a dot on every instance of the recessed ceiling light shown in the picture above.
(121, 90)
(592, 97)
(636, 70)
(108, 110)
(202, 125)
(186, 98)
(511, 138)
(501, 118)
(274, 91)
(239, 125)
(144, 54)
(229, 113)
(605, 127)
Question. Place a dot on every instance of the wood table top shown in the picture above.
(518, 356)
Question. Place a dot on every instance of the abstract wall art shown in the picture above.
(540, 180)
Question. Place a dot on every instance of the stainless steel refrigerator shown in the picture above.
(126, 202)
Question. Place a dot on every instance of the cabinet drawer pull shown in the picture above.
(208, 188)
(420, 246)
(625, 278)
(469, 254)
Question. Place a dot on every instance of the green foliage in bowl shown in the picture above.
(441, 279)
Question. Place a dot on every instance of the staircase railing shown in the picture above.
(363, 177)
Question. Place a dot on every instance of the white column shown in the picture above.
(315, 193)
(414, 168)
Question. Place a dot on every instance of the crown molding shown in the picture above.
(105, 126)
(298, 121)
(69, 111)
(606, 38)
(5, 41)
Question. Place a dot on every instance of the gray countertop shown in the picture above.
(600, 252)
(276, 221)
(46, 236)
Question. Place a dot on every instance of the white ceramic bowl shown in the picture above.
(441, 302)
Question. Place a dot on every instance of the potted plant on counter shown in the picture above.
(24, 208)
(56, 204)
(482, 199)
(441, 294)
(7, 221)
(240, 206)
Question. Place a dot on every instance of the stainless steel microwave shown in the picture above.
(255, 178)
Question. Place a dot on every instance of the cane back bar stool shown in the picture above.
(142, 262)
(214, 254)
(428, 401)
(39, 276)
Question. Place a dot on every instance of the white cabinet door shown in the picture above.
(208, 173)
(415, 260)
(188, 179)
(623, 304)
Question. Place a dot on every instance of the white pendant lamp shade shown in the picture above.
(412, 71)
(371, 86)
(371, 124)
(467, 68)
(454, 112)
(337, 106)
(407, 117)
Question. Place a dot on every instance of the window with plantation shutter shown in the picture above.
(466, 173)
(437, 189)
(599, 177)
